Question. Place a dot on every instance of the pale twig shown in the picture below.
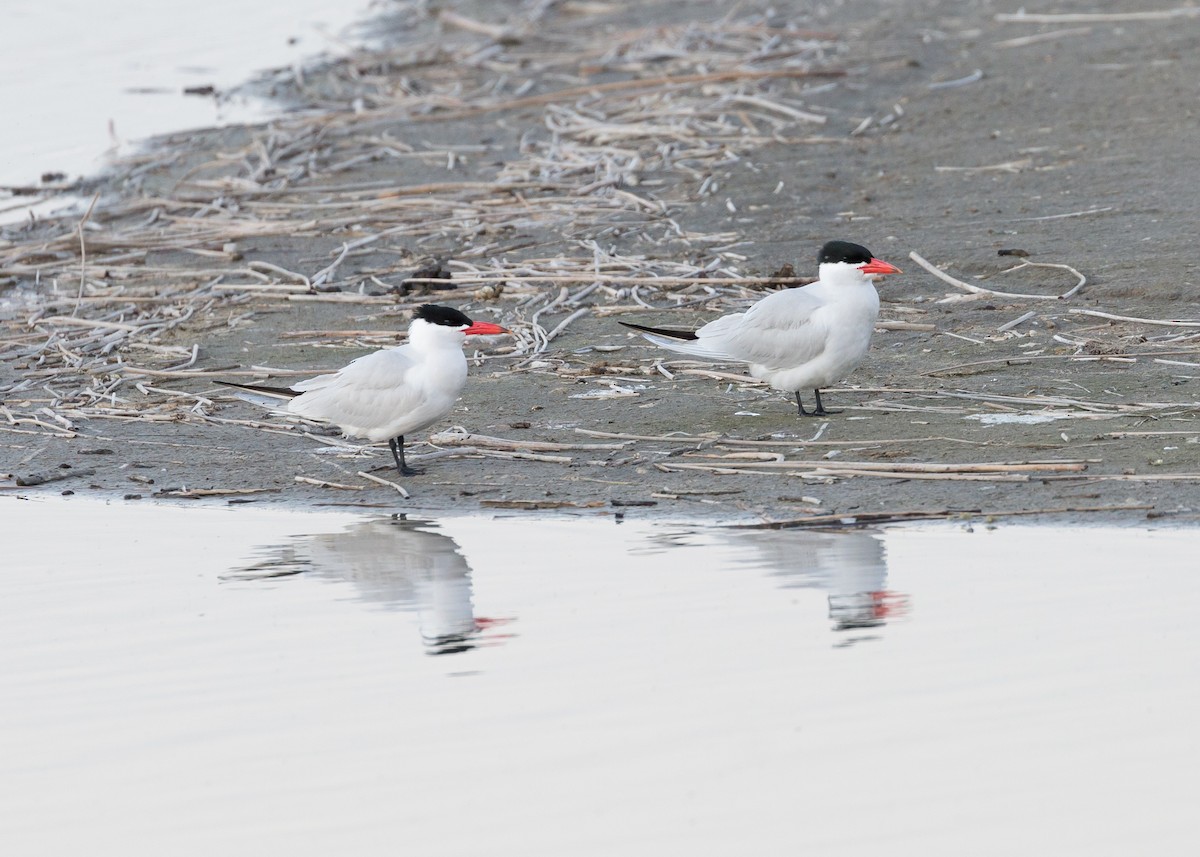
(496, 32)
(83, 253)
(522, 456)
(1135, 319)
(459, 438)
(562, 325)
(378, 480)
(1006, 167)
(269, 266)
(1023, 17)
(326, 274)
(1120, 435)
(175, 394)
(974, 76)
(771, 106)
(191, 361)
(1022, 41)
(905, 325)
(980, 290)
(1009, 325)
(321, 483)
(85, 322)
(1063, 216)
(798, 442)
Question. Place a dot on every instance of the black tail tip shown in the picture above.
(673, 334)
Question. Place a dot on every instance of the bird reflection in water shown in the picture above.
(400, 564)
(850, 566)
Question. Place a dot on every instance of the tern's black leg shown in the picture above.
(800, 405)
(396, 444)
(820, 411)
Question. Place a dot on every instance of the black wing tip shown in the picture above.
(673, 334)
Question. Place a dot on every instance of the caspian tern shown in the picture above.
(389, 393)
(796, 339)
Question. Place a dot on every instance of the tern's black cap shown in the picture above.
(445, 315)
(843, 251)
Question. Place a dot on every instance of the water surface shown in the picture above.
(79, 78)
(190, 680)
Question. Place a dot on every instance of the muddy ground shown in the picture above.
(1073, 141)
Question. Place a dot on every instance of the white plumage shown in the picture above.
(796, 339)
(390, 393)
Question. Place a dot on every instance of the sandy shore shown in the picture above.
(667, 163)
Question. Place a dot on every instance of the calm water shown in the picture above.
(79, 78)
(216, 681)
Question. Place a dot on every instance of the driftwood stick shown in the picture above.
(379, 481)
(321, 483)
(980, 290)
(1156, 321)
(456, 438)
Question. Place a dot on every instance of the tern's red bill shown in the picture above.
(485, 328)
(878, 266)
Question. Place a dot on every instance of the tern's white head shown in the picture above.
(844, 262)
(436, 326)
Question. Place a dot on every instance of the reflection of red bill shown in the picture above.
(867, 609)
(482, 624)
(889, 605)
(486, 629)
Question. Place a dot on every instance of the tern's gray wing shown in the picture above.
(782, 330)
